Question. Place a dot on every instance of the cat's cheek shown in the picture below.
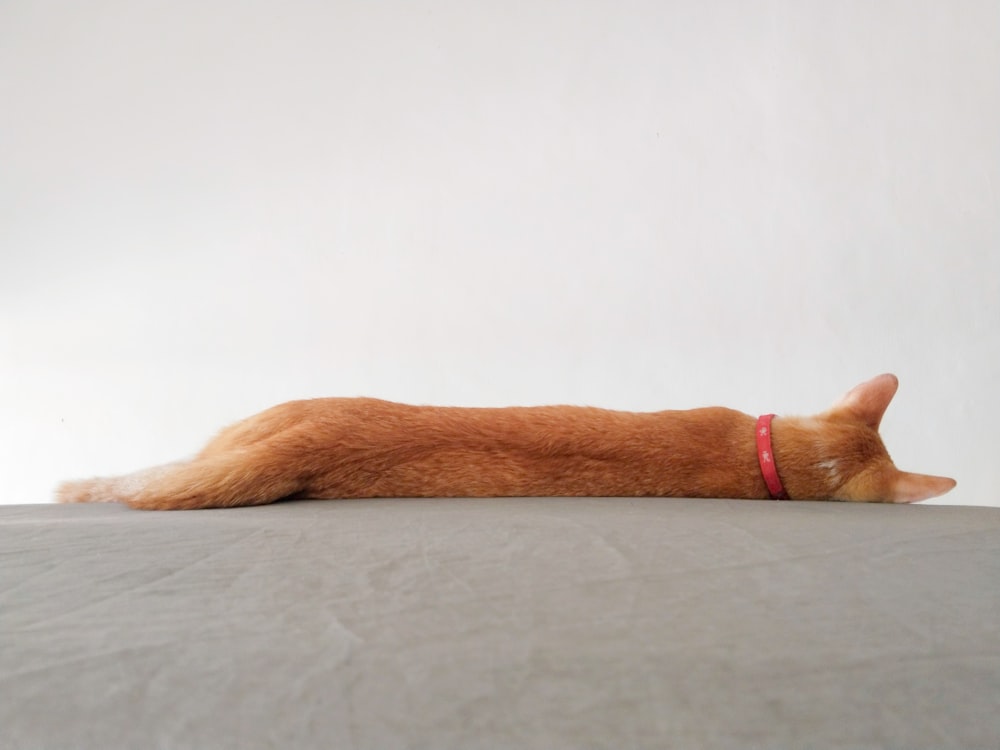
(867, 487)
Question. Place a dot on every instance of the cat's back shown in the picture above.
(381, 424)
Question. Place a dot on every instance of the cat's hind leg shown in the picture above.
(221, 480)
(119, 489)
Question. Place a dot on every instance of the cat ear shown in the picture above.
(912, 488)
(867, 402)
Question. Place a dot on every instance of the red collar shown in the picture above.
(765, 457)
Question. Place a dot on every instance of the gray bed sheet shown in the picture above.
(501, 623)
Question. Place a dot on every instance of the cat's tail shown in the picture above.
(218, 481)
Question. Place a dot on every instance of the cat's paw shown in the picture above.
(79, 491)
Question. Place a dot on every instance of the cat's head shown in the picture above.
(838, 454)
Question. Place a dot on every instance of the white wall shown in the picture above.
(210, 207)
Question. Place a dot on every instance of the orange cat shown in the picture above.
(339, 448)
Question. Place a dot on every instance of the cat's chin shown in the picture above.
(912, 488)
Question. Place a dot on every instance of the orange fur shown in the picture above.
(338, 448)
